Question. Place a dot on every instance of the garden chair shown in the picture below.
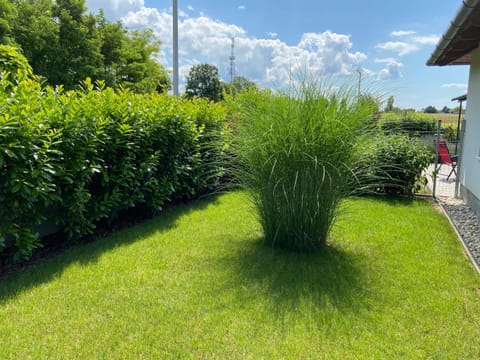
(444, 157)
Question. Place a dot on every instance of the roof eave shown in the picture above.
(461, 18)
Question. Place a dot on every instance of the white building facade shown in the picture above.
(460, 46)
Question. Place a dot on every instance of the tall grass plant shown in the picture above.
(295, 153)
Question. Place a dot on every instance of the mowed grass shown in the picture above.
(196, 282)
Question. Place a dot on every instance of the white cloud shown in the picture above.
(426, 40)
(386, 60)
(269, 62)
(455, 86)
(400, 47)
(391, 70)
(241, 7)
(401, 33)
(411, 42)
(190, 8)
(115, 8)
(272, 35)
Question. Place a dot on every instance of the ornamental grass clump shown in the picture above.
(295, 155)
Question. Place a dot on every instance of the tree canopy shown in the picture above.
(65, 44)
(430, 109)
(389, 106)
(204, 81)
(239, 83)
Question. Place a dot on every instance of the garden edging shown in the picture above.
(472, 222)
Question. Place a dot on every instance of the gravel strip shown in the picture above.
(466, 222)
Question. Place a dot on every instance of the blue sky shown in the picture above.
(390, 41)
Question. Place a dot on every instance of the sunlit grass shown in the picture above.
(197, 282)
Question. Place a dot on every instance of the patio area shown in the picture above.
(445, 187)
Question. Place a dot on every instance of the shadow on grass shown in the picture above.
(42, 271)
(329, 279)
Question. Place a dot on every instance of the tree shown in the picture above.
(78, 53)
(204, 81)
(446, 109)
(65, 45)
(112, 35)
(37, 35)
(7, 14)
(136, 68)
(455, 110)
(389, 106)
(60, 41)
(239, 84)
(430, 109)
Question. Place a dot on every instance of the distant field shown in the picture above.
(450, 119)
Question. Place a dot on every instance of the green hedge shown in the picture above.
(88, 154)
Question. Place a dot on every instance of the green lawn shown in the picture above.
(196, 282)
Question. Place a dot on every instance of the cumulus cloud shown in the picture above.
(392, 69)
(272, 35)
(241, 7)
(269, 62)
(400, 47)
(455, 86)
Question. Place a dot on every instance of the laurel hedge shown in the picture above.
(79, 157)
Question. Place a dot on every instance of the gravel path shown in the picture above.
(467, 224)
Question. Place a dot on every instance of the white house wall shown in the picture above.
(470, 170)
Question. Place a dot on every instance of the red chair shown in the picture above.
(444, 157)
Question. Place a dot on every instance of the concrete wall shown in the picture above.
(470, 167)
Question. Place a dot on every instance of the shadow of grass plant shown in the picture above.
(295, 154)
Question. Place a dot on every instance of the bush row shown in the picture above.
(392, 165)
(80, 157)
(407, 123)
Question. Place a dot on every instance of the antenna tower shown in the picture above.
(232, 60)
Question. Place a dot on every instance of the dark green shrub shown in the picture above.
(92, 153)
(29, 161)
(450, 133)
(392, 165)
